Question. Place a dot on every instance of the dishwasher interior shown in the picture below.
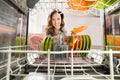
(98, 56)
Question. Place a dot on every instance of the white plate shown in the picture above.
(36, 76)
(79, 78)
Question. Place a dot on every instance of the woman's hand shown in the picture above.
(64, 39)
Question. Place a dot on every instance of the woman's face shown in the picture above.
(56, 20)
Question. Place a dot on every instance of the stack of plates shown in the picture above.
(80, 42)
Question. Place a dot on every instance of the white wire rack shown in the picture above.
(69, 67)
(63, 4)
(48, 5)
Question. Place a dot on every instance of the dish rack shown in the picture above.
(72, 67)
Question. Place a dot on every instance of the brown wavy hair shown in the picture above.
(50, 28)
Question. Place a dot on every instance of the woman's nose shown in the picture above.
(55, 20)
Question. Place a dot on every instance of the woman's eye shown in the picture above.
(58, 19)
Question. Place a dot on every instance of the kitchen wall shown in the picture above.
(93, 23)
(38, 21)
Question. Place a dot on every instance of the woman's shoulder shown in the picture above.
(64, 31)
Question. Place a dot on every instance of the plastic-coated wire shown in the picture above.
(65, 70)
(106, 52)
(20, 66)
(54, 72)
(99, 73)
(39, 65)
(3, 78)
(11, 70)
(84, 71)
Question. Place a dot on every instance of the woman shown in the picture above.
(55, 27)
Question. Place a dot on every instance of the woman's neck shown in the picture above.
(57, 31)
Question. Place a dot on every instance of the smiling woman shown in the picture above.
(55, 23)
(55, 27)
